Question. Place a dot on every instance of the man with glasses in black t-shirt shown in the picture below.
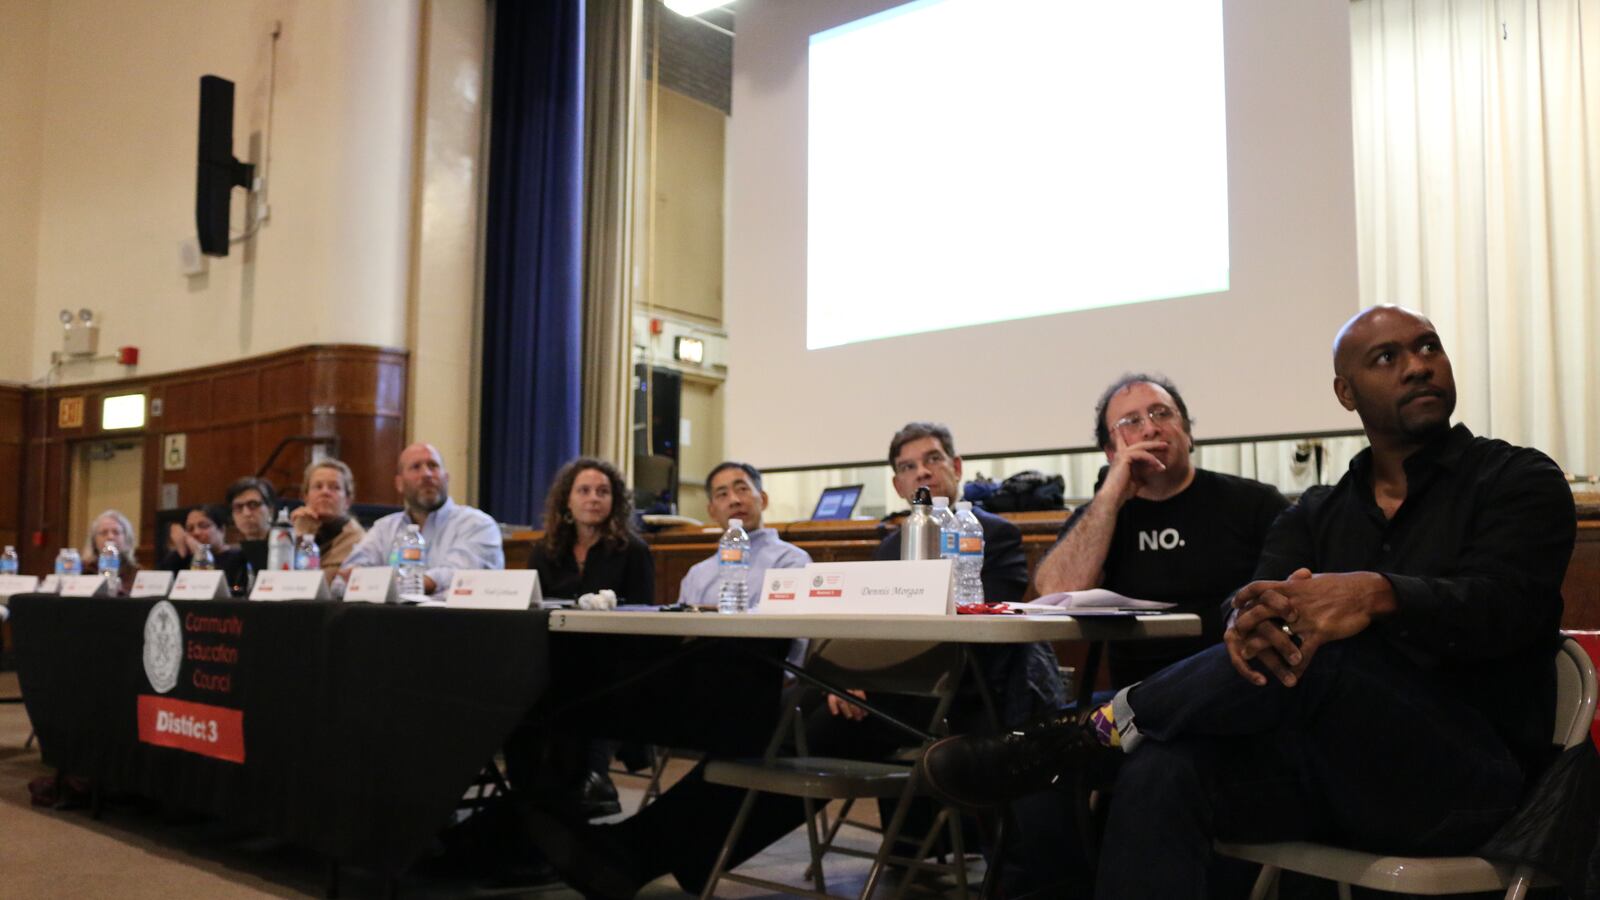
(1159, 528)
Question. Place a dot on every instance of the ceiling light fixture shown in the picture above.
(694, 7)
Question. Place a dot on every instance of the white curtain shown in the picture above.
(1477, 160)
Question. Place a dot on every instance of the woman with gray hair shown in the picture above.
(111, 527)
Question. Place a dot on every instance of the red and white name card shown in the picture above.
(371, 584)
(921, 588)
(495, 589)
(200, 584)
(151, 583)
(11, 585)
(85, 586)
(290, 584)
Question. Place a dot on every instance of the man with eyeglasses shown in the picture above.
(253, 503)
(1159, 528)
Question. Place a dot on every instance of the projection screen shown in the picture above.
(982, 211)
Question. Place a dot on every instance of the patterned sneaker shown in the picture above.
(988, 770)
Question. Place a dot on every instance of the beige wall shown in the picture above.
(23, 28)
(116, 182)
(450, 182)
(684, 268)
(686, 276)
(702, 407)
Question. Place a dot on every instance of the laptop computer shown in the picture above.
(837, 502)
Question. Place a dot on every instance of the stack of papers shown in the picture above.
(1095, 602)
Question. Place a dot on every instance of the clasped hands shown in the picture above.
(1279, 625)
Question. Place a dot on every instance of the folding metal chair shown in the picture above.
(1575, 706)
(877, 667)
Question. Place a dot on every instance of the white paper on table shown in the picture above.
(1095, 598)
(494, 589)
(84, 586)
(290, 584)
(11, 585)
(151, 583)
(371, 584)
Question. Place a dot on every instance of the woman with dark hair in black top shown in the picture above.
(204, 526)
(589, 545)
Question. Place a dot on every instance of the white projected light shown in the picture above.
(974, 161)
(122, 411)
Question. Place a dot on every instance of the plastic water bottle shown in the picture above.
(733, 566)
(306, 553)
(203, 560)
(280, 544)
(68, 562)
(110, 566)
(949, 531)
(969, 562)
(8, 561)
(412, 555)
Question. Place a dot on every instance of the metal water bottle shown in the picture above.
(919, 534)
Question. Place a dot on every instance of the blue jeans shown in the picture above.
(1369, 750)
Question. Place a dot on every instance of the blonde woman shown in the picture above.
(328, 489)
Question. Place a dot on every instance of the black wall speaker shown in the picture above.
(217, 172)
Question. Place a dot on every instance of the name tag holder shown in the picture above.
(371, 584)
(11, 585)
(495, 589)
(85, 586)
(151, 583)
(285, 584)
(919, 588)
(200, 584)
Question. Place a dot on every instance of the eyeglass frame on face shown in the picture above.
(931, 459)
(1157, 413)
(248, 505)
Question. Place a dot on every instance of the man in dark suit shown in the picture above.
(1026, 679)
(923, 454)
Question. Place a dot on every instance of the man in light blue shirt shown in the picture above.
(735, 492)
(459, 537)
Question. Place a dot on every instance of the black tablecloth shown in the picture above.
(361, 725)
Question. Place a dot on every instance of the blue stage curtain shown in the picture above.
(533, 317)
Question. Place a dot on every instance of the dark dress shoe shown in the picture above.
(587, 857)
(598, 796)
(987, 770)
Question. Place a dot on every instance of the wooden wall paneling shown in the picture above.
(232, 414)
(290, 465)
(185, 405)
(371, 445)
(1581, 590)
(12, 474)
(285, 387)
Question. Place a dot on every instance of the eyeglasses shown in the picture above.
(930, 459)
(1158, 415)
(251, 505)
